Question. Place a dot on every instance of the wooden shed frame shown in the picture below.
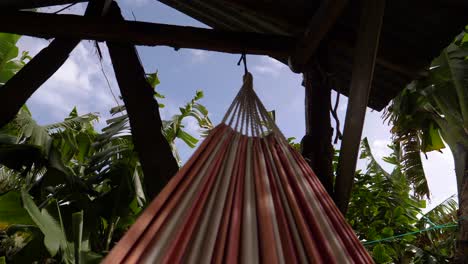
(263, 27)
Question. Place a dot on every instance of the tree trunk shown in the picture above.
(316, 145)
(460, 155)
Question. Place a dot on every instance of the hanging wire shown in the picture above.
(66, 7)
(100, 59)
(410, 233)
(243, 58)
(333, 110)
(433, 227)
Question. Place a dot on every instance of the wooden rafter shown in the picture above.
(155, 154)
(318, 27)
(23, 84)
(142, 33)
(29, 4)
(363, 69)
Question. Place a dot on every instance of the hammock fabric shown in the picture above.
(245, 196)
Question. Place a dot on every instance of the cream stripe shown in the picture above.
(204, 239)
(337, 248)
(287, 207)
(268, 200)
(156, 252)
(249, 238)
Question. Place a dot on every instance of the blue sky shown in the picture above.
(80, 82)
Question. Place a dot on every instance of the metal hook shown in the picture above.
(244, 59)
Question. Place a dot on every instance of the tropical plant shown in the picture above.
(388, 218)
(432, 108)
(437, 244)
(69, 172)
(9, 61)
(69, 192)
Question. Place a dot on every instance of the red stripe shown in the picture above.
(172, 201)
(344, 230)
(232, 254)
(139, 228)
(313, 249)
(221, 244)
(176, 250)
(138, 241)
(267, 238)
(286, 237)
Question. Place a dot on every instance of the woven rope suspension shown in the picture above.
(245, 196)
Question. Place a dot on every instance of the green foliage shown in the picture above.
(153, 80)
(70, 168)
(9, 180)
(382, 206)
(438, 245)
(296, 146)
(11, 211)
(69, 192)
(54, 237)
(9, 65)
(174, 128)
(432, 108)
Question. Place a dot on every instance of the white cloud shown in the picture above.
(269, 66)
(380, 147)
(440, 172)
(199, 55)
(169, 109)
(79, 82)
(191, 126)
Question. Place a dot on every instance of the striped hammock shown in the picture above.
(245, 196)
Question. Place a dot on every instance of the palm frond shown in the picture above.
(9, 180)
(439, 243)
(411, 163)
(373, 166)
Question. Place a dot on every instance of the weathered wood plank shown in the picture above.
(156, 158)
(363, 70)
(29, 4)
(143, 33)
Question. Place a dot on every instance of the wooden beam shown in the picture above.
(316, 146)
(363, 69)
(29, 4)
(142, 33)
(156, 158)
(322, 21)
(24, 83)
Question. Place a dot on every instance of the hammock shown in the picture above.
(245, 196)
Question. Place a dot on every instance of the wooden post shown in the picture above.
(316, 145)
(156, 158)
(361, 83)
(24, 83)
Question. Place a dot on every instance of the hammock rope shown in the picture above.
(245, 196)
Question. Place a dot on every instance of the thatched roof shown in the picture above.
(413, 33)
